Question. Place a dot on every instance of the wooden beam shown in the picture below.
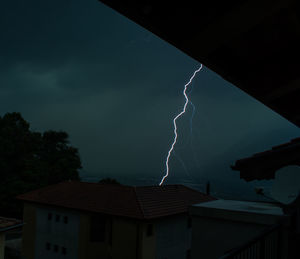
(283, 90)
(234, 24)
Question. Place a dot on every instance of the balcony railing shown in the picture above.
(265, 246)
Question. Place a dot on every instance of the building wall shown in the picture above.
(83, 236)
(89, 249)
(2, 245)
(121, 239)
(124, 238)
(29, 231)
(173, 237)
(211, 237)
(54, 236)
(147, 243)
(75, 235)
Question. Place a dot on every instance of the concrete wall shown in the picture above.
(170, 238)
(75, 236)
(57, 233)
(84, 223)
(124, 239)
(222, 225)
(211, 238)
(173, 237)
(29, 229)
(126, 236)
(147, 243)
(88, 249)
(2, 245)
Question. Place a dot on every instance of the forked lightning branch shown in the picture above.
(175, 125)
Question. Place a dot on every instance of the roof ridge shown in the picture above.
(157, 186)
(39, 190)
(199, 192)
(138, 201)
(128, 201)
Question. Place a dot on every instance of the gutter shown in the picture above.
(11, 227)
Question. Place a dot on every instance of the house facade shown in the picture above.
(88, 220)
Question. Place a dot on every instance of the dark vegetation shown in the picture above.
(30, 160)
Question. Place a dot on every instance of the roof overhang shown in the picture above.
(264, 165)
(253, 44)
(7, 224)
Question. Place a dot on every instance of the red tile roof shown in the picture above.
(9, 223)
(144, 202)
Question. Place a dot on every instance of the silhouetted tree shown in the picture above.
(30, 160)
(109, 181)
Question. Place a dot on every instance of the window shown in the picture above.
(64, 250)
(48, 246)
(188, 254)
(65, 219)
(149, 230)
(189, 222)
(57, 218)
(97, 228)
(49, 216)
(56, 248)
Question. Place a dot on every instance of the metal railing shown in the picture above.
(264, 246)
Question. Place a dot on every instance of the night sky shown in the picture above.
(80, 67)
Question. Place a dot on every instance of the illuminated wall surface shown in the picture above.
(50, 232)
(2, 243)
(173, 238)
(55, 237)
(219, 226)
(29, 229)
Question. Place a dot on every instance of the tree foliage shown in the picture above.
(30, 160)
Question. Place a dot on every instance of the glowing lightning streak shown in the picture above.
(175, 125)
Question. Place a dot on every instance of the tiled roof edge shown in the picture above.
(138, 202)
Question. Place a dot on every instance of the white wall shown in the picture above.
(173, 237)
(222, 225)
(211, 238)
(56, 233)
(2, 245)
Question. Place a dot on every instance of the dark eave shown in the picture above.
(253, 44)
(263, 165)
(7, 224)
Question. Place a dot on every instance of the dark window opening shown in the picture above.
(64, 250)
(49, 216)
(57, 218)
(97, 228)
(65, 219)
(56, 248)
(189, 223)
(48, 246)
(149, 230)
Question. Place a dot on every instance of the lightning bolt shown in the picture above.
(175, 125)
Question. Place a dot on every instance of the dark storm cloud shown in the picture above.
(81, 46)
(33, 31)
(79, 66)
